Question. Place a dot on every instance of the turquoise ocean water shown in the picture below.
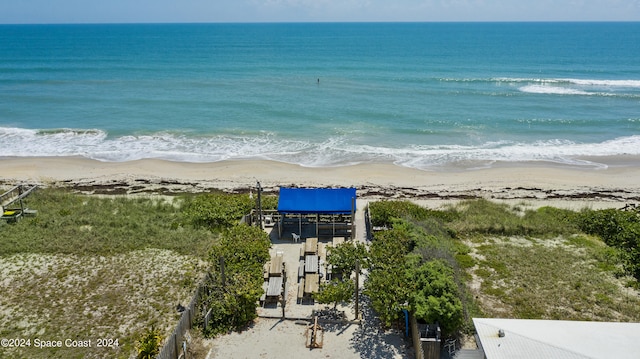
(423, 95)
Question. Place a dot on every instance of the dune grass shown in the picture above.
(539, 265)
(72, 223)
(95, 267)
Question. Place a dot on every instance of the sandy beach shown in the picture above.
(553, 184)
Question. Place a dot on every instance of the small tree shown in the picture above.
(343, 258)
(336, 291)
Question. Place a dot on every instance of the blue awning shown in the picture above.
(317, 200)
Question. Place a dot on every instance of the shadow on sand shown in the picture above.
(370, 340)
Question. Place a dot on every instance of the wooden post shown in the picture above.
(21, 204)
(260, 205)
(357, 289)
(284, 299)
(353, 217)
(284, 288)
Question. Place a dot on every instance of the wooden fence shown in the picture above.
(175, 346)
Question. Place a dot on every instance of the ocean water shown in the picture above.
(422, 95)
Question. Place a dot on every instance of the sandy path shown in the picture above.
(273, 338)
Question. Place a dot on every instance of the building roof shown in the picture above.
(317, 200)
(557, 339)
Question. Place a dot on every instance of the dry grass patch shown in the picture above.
(66, 296)
(558, 278)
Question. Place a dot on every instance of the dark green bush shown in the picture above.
(245, 250)
(619, 229)
(434, 297)
(616, 228)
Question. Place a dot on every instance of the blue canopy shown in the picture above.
(317, 200)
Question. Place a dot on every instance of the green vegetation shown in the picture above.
(70, 223)
(384, 213)
(221, 210)
(551, 279)
(336, 291)
(343, 258)
(233, 295)
(413, 267)
(217, 210)
(490, 218)
(434, 296)
(97, 267)
(618, 229)
(93, 266)
(485, 257)
(114, 265)
(149, 345)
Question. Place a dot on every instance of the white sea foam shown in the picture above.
(605, 83)
(629, 83)
(562, 86)
(553, 90)
(335, 151)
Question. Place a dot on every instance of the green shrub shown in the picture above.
(149, 345)
(269, 202)
(343, 258)
(434, 295)
(412, 266)
(387, 284)
(245, 250)
(619, 229)
(217, 210)
(384, 212)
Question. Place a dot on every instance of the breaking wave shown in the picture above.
(336, 151)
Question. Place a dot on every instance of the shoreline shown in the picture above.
(617, 184)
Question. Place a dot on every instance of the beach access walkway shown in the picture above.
(275, 336)
(306, 267)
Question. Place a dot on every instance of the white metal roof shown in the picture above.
(558, 339)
